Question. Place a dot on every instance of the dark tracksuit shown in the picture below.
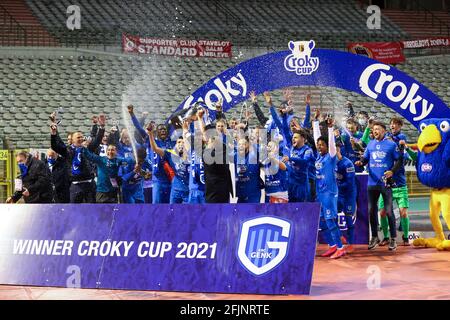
(60, 180)
(218, 183)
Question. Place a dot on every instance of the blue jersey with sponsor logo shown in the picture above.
(181, 180)
(381, 156)
(247, 174)
(197, 176)
(159, 174)
(299, 162)
(325, 174)
(275, 179)
(400, 175)
(124, 151)
(345, 177)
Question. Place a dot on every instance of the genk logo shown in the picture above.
(300, 60)
(263, 244)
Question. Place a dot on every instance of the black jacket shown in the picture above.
(67, 153)
(60, 180)
(218, 183)
(37, 181)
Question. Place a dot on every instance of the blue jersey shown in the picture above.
(396, 137)
(197, 176)
(124, 151)
(354, 155)
(400, 175)
(299, 162)
(345, 177)
(381, 156)
(346, 147)
(181, 180)
(132, 181)
(148, 183)
(159, 174)
(325, 174)
(312, 167)
(247, 174)
(275, 179)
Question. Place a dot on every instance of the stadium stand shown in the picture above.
(421, 24)
(81, 84)
(16, 14)
(248, 23)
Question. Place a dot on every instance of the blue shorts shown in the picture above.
(161, 192)
(347, 204)
(196, 197)
(179, 196)
(251, 198)
(298, 192)
(133, 195)
(328, 208)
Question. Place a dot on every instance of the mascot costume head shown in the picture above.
(433, 170)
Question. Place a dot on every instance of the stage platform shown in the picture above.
(408, 273)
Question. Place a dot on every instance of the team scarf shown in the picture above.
(76, 162)
(23, 170)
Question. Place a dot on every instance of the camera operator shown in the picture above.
(35, 181)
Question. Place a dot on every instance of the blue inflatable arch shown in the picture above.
(303, 65)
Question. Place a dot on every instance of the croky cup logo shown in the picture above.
(300, 60)
(263, 244)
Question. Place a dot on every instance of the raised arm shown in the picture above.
(56, 143)
(136, 122)
(92, 156)
(316, 126)
(307, 121)
(201, 123)
(153, 144)
(262, 119)
(186, 135)
(100, 133)
(331, 140)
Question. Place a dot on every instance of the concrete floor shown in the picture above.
(408, 273)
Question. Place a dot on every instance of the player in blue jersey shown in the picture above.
(160, 175)
(178, 159)
(247, 172)
(327, 190)
(356, 149)
(346, 181)
(400, 190)
(133, 177)
(384, 160)
(300, 157)
(275, 175)
(193, 141)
